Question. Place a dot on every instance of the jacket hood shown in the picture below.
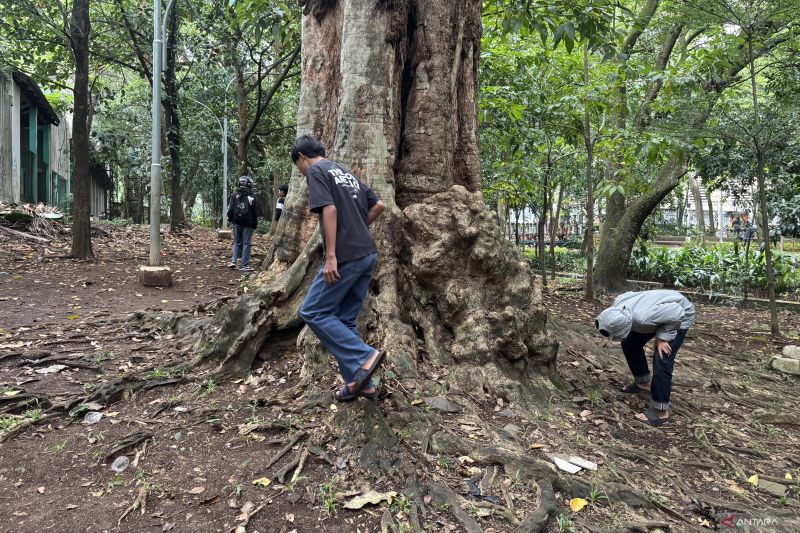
(617, 321)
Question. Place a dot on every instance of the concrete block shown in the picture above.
(224, 235)
(158, 276)
(786, 365)
(791, 351)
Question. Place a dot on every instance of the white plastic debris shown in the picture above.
(120, 464)
(583, 463)
(92, 417)
(566, 466)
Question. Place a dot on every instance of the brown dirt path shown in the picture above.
(207, 442)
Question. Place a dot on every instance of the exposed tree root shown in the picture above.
(702, 440)
(139, 503)
(443, 496)
(288, 467)
(129, 441)
(16, 430)
(275, 458)
(536, 521)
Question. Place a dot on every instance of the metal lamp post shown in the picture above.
(224, 150)
(225, 157)
(155, 166)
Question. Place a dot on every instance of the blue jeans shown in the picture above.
(661, 382)
(242, 235)
(331, 313)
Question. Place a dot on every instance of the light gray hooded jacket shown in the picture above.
(661, 311)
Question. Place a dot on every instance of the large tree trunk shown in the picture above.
(393, 97)
(554, 227)
(81, 179)
(623, 222)
(177, 217)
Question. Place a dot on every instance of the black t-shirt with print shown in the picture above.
(331, 184)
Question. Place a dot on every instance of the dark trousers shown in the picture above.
(661, 382)
(331, 313)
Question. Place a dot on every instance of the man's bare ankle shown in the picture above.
(368, 363)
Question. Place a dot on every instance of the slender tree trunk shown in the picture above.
(698, 208)
(589, 177)
(554, 222)
(543, 218)
(762, 192)
(81, 179)
(173, 126)
(683, 199)
(243, 164)
(711, 225)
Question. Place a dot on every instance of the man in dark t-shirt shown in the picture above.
(346, 208)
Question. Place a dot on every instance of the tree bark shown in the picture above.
(711, 226)
(589, 177)
(624, 221)
(81, 179)
(172, 124)
(762, 191)
(546, 201)
(554, 222)
(393, 98)
(699, 216)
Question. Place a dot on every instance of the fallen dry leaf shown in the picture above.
(576, 504)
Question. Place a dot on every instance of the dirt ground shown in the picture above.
(204, 455)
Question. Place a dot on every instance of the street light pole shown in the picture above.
(154, 274)
(155, 165)
(225, 157)
(224, 150)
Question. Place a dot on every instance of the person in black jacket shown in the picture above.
(243, 215)
(282, 192)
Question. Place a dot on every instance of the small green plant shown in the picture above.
(101, 357)
(116, 481)
(158, 373)
(235, 489)
(254, 416)
(402, 504)
(142, 481)
(444, 463)
(59, 446)
(10, 421)
(327, 499)
(655, 497)
(97, 455)
(595, 494)
(565, 524)
(595, 397)
(209, 386)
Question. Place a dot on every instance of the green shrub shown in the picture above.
(263, 226)
(713, 267)
(566, 260)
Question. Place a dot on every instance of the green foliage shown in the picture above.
(566, 260)
(714, 267)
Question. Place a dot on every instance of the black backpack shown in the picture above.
(241, 209)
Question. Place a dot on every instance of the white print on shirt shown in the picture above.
(346, 180)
